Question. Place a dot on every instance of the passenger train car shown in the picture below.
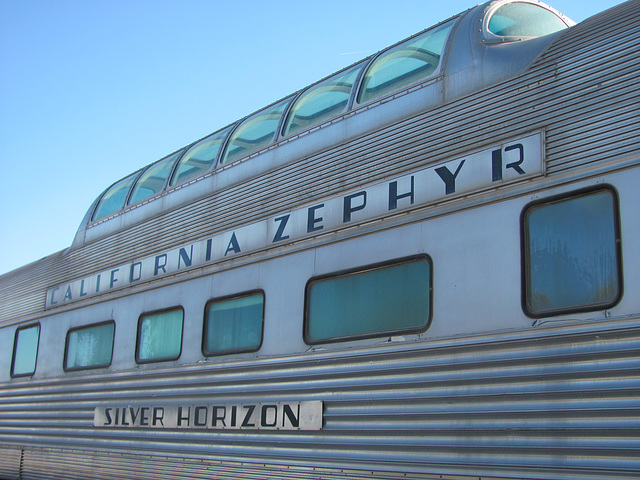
(423, 266)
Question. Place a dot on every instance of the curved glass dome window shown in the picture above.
(200, 157)
(520, 20)
(404, 64)
(255, 132)
(153, 179)
(324, 100)
(114, 198)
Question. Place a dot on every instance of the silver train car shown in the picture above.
(424, 266)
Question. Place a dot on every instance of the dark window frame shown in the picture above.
(138, 337)
(524, 251)
(86, 327)
(15, 345)
(211, 301)
(363, 269)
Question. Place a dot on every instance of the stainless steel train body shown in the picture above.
(478, 216)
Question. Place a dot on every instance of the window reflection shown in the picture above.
(90, 347)
(524, 20)
(234, 325)
(572, 254)
(255, 132)
(25, 351)
(114, 198)
(373, 302)
(160, 336)
(153, 179)
(200, 158)
(404, 64)
(322, 101)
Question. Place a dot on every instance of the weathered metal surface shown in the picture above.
(555, 402)
(484, 392)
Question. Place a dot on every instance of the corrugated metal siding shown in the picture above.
(22, 291)
(583, 91)
(53, 463)
(556, 402)
(598, 120)
(10, 459)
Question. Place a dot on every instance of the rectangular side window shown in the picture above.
(571, 254)
(234, 325)
(89, 347)
(160, 336)
(371, 302)
(25, 351)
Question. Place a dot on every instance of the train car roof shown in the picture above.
(484, 45)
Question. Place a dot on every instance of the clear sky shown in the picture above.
(91, 91)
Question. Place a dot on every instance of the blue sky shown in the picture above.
(90, 91)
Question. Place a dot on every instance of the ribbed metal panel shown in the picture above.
(10, 459)
(555, 402)
(53, 463)
(583, 91)
(22, 291)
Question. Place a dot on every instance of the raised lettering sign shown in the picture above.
(211, 416)
(500, 164)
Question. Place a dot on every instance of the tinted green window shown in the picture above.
(255, 132)
(89, 347)
(404, 64)
(322, 101)
(234, 325)
(572, 258)
(25, 351)
(200, 158)
(153, 179)
(524, 20)
(374, 302)
(114, 198)
(160, 336)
